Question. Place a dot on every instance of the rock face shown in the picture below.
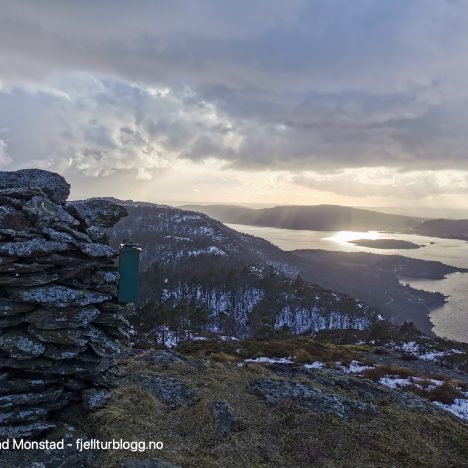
(60, 323)
(53, 185)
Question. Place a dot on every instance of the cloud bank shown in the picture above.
(323, 86)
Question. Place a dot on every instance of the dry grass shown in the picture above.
(284, 436)
(381, 371)
(304, 349)
(445, 393)
(223, 357)
(302, 357)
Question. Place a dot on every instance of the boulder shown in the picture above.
(97, 212)
(164, 358)
(52, 184)
(224, 418)
(169, 390)
(276, 392)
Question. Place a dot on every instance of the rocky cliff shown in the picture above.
(60, 323)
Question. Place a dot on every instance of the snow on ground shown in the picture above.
(267, 360)
(459, 407)
(413, 348)
(354, 367)
(434, 356)
(228, 338)
(396, 382)
(315, 365)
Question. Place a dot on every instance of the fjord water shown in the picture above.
(449, 321)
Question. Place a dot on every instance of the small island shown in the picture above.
(386, 244)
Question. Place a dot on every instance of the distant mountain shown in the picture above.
(447, 228)
(188, 257)
(317, 217)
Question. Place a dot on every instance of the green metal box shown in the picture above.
(129, 260)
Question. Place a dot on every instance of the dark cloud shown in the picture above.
(266, 84)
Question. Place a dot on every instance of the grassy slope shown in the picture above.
(285, 435)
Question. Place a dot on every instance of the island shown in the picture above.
(386, 244)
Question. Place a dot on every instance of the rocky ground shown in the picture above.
(290, 402)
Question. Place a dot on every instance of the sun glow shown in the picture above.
(343, 237)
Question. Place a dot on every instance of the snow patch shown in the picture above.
(315, 365)
(267, 360)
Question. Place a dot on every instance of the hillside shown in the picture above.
(317, 218)
(246, 284)
(205, 261)
(448, 228)
(376, 280)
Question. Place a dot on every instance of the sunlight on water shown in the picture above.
(343, 237)
(449, 320)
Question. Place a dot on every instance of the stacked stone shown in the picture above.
(61, 327)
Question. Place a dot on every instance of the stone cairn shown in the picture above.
(61, 327)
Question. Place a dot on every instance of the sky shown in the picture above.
(261, 102)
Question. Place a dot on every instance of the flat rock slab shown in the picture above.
(52, 184)
(28, 280)
(45, 212)
(276, 392)
(165, 359)
(13, 219)
(9, 308)
(169, 390)
(58, 296)
(32, 248)
(54, 318)
(62, 336)
(21, 431)
(20, 345)
(9, 384)
(19, 399)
